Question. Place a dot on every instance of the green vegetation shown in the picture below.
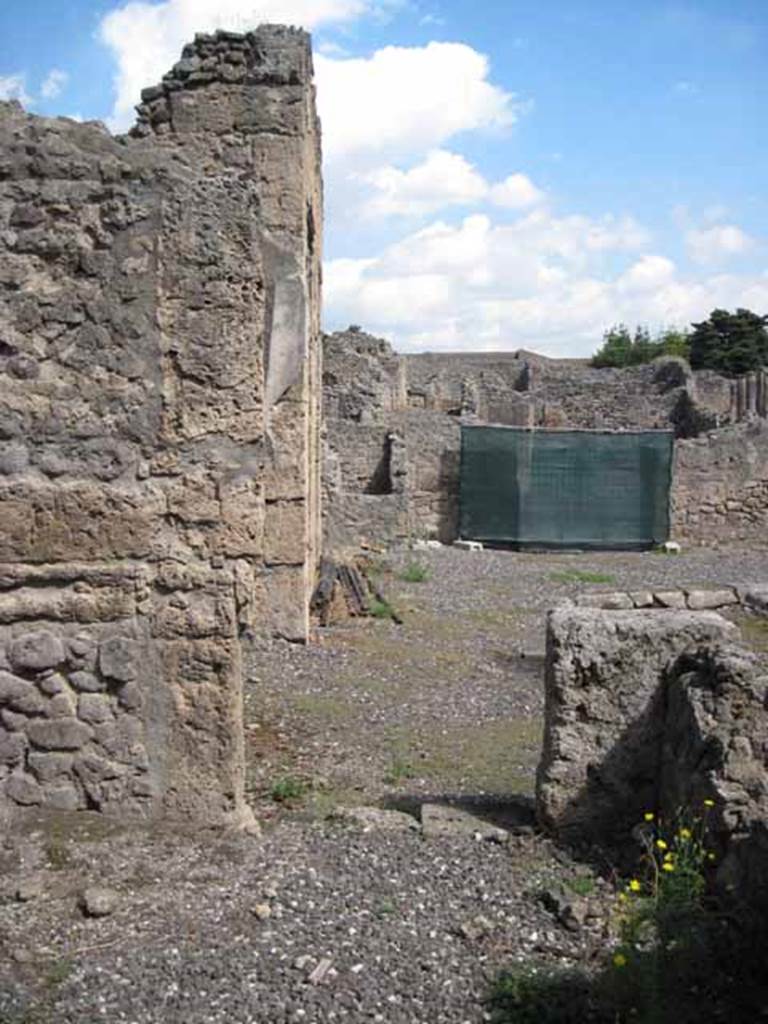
(287, 789)
(731, 343)
(621, 348)
(415, 573)
(580, 885)
(381, 609)
(676, 959)
(580, 576)
(399, 770)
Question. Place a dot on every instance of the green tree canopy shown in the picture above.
(731, 343)
(622, 348)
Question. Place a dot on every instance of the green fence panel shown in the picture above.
(565, 488)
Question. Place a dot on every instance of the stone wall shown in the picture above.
(719, 490)
(159, 426)
(656, 711)
(720, 486)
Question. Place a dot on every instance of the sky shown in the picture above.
(500, 174)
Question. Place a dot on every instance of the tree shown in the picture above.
(731, 343)
(616, 348)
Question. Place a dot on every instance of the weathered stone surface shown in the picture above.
(615, 601)
(159, 393)
(59, 734)
(702, 599)
(374, 819)
(118, 659)
(669, 598)
(441, 821)
(599, 762)
(98, 901)
(33, 652)
(715, 740)
(23, 789)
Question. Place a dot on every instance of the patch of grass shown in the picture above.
(385, 908)
(399, 770)
(580, 885)
(57, 973)
(287, 789)
(532, 994)
(581, 576)
(415, 573)
(383, 610)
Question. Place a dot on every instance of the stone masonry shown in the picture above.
(657, 711)
(373, 395)
(159, 427)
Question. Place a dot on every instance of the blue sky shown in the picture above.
(497, 174)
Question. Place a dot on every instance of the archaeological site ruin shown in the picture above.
(179, 444)
(159, 409)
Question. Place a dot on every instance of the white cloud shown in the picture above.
(146, 37)
(517, 192)
(53, 83)
(443, 179)
(13, 87)
(543, 282)
(710, 245)
(405, 100)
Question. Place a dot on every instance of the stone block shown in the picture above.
(33, 652)
(94, 708)
(670, 598)
(597, 773)
(59, 733)
(119, 658)
(23, 790)
(47, 767)
(698, 600)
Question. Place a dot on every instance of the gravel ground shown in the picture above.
(319, 920)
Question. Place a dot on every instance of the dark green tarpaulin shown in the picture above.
(574, 488)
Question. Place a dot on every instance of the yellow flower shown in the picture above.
(634, 885)
(619, 960)
(648, 816)
(709, 803)
(661, 844)
(669, 856)
(711, 856)
(668, 866)
(685, 833)
(622, 897)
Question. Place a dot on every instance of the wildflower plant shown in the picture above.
(661, 915)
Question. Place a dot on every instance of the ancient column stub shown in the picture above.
(159, 426)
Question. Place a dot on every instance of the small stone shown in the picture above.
(262, 911)
(29, 889)
(476, 927)
(33, 652)
(62, 796)
(47, 767)
(86, 682)
(61, 706)
(12, 748)
(23, 790)
(318, 975)
(59, 733)
(98, 901)
(94, 708)
(118, 658)
(52, 684)
(130, 697)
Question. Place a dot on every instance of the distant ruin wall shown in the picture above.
(720, 485)
(159, 426)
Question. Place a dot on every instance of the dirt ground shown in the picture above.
(319, 920)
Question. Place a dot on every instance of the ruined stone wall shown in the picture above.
(159, 426)
(720, 486)
(659, 711)
(720, 491)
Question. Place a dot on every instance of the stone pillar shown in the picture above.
(159, 418)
